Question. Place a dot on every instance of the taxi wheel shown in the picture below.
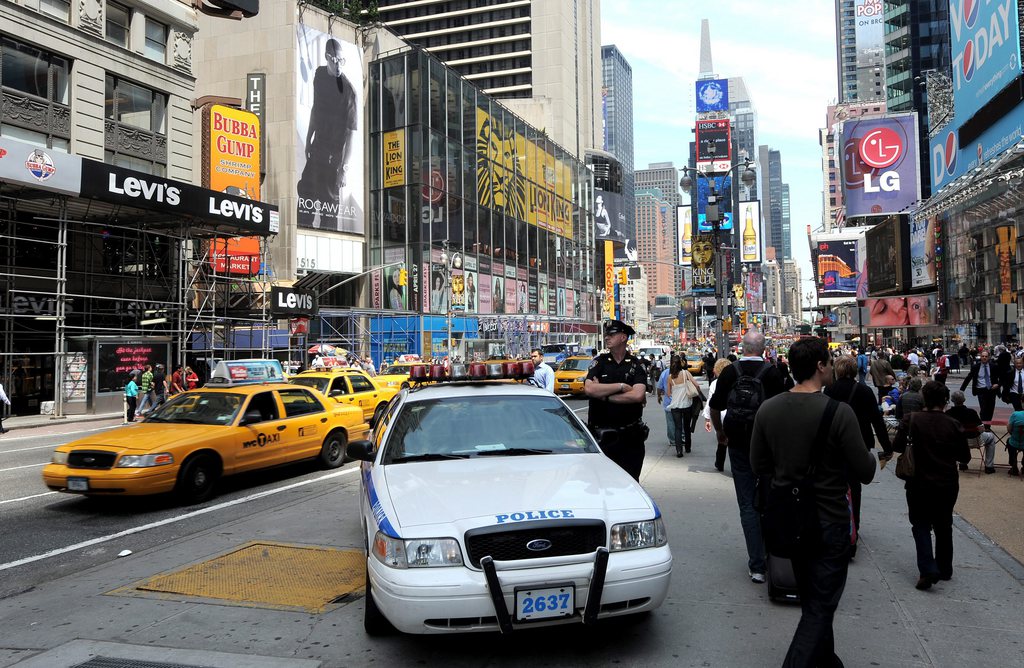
(332, 454)
(197, 479)
(374, 621)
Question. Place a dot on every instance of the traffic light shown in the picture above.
(623, 277)
(727, 323)
(743, 319)
(403, 277)
(675, 323)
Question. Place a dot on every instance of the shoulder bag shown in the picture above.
(905, 463)
(690, 386)
(790, 523)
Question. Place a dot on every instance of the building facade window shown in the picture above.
(118, 24)
(136, 126)
(35, 95)
(155, 47)
(58, 9)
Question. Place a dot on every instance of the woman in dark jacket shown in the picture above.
(862, 400)
(939, 443)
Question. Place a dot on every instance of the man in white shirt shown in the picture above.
(913, 358)
(543, 376)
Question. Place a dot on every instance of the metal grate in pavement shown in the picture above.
(113, 662)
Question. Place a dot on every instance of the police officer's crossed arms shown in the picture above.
(617, 387)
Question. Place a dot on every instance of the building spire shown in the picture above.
(707, 71)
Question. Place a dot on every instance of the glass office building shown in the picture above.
(482, 225)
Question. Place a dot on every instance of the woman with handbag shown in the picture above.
(681, 391)
(934, 442)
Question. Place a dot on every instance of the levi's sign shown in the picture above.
(291, 302)
(145, 191)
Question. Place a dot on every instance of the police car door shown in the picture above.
(262, 433)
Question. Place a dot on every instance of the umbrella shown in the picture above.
(322, 349)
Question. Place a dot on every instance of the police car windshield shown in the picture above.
(316, 383)
(213, 408)
(575, 365)
(491, 426)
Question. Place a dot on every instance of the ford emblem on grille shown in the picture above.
(89, 460)
(538, 545)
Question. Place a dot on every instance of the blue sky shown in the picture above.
(783, 49)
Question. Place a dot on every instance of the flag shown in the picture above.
(840, 217)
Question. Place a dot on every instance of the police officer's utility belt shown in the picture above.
(607, 436)
(631, 425)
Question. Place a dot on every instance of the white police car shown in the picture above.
(488, 506)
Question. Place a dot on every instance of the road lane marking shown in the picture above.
(26, 466)
(11, 439)
(36, 447)
(25, 498)
(169, 520)
(577, 410)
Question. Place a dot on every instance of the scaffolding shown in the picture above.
(72, 267)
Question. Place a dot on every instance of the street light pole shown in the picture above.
(449, 262)
(714, 217)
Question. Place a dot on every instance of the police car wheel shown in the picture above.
(197, 479)
(374, 621)
(332, 454)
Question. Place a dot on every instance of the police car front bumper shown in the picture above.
(459, 599)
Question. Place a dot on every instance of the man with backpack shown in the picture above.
(741, 389)
(863, 366)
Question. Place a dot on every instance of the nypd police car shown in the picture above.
(488, 506)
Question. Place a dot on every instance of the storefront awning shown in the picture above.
(35, 176)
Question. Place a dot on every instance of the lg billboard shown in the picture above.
(880, 165)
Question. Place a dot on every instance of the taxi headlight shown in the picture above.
(59, 458)
(637, 535)
(417, 552)
(145, 461)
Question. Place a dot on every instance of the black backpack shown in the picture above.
(745, 398)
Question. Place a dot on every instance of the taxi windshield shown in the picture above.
(575, 365)
(553, 348)
(213, 408)
(311, 381)
(470, 427)
(398, 370)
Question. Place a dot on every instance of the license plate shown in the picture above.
(78, 484)
(546, 603)
(565, 387)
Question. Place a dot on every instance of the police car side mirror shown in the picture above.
(361, 450)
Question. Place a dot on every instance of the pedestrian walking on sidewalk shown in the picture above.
(741, 389)
(938, 443)
(984, 380)
(783, 446)
(6, 402)
(665, 401)
(146, 403)
(681, 391)
(131, 393)
(858, 397)
(721, 451)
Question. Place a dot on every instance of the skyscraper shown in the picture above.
(656, 241)
(787, 237)
(770, 167)
(833, 213)
(540, 57)
(792, 299)
(859, 50)
(665, 177)
(617, 117)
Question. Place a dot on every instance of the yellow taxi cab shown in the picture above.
(194, 439)
(349, 385)
(571, 374)
(694, 362)
(397, 375)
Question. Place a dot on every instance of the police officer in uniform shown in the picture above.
(616, 386)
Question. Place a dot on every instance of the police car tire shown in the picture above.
(332, 453)
(374, 621)
(197, 479)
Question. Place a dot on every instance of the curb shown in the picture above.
(62, 421)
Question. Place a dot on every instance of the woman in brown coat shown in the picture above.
(938, 443)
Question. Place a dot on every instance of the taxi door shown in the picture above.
(340, 392)
(263, 433)
(307, 422)
(367, 394)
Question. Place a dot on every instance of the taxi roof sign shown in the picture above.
(246, 372)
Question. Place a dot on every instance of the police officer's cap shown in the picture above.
(617, 327)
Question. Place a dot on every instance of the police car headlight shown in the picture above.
(145, 461)
(417, 552)
(637, 535)
(59, 458)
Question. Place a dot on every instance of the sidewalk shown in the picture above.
(19, 422)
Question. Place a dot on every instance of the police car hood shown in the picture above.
(498, 490)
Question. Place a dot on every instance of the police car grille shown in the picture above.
(577, 537)
(88, 459)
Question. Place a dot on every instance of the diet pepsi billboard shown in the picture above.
(880, 165)
(985, 45)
